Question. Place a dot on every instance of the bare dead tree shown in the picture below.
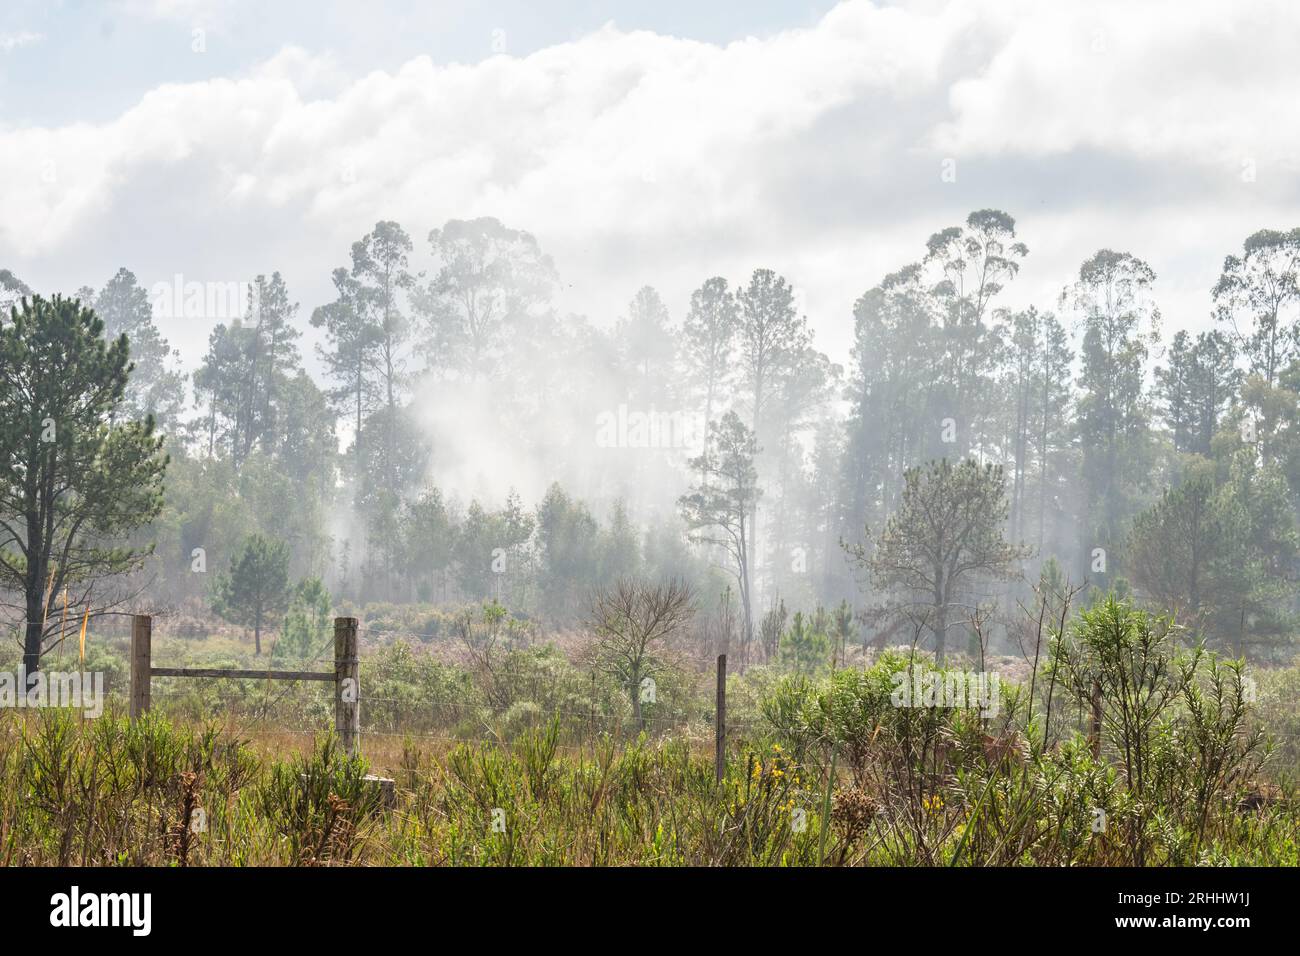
(634, 625)
(486, 634)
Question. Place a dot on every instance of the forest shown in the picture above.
(461, 442)
(550, 526)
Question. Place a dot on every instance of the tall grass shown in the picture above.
(827, 771)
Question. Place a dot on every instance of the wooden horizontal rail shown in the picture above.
(346, 676)
(235, 672)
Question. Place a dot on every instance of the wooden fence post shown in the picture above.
(347, 684)
(141, 663)
(720, 729)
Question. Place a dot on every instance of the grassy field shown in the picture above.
(542, 765)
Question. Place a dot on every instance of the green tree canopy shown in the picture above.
(75, 478)
(947, 531)
(255, 592)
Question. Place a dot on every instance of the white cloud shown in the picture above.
(189, 11)
(638, 158)
(12, 41)
(1172, 80)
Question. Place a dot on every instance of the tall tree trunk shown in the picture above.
(35, 587)
(742, 559)
(32, 641)
(940, 628)
(636, 697)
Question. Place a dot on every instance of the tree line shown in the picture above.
(964, 451)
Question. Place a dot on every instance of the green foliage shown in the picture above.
(307, 628)
(412, 691)
(73, 476)
(948, 528)
(719, 510)
(829, 771)
(156, 388)
(321, 805)
(1121, 325)
(1189, 481)
(256, 589)
(1177, 721)
(1277, 691)
(568, 553)
(1253, 295)
(490, 281)
(806, 646)
(490, 548)
(1221, 553)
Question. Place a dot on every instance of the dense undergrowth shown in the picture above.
(829, 770)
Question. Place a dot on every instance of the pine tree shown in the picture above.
(76, 476)
(255, 592)
(719, 508)
(709, 342)
(948, 529)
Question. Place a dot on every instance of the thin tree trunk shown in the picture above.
(940, 627)
(636, 697)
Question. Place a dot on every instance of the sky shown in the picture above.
(643, 143)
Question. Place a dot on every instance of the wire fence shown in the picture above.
(304, 709)
(407, 715)
(300, 708)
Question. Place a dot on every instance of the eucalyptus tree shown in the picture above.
(244, 373)
(1257, 293)
(647, 349)
(1196, 387)
(1121, 325)
(352, 342)
(379, 265)
(490, 283)
(974, 261)
(1051, 417)
(891, 392)
(12, 289)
